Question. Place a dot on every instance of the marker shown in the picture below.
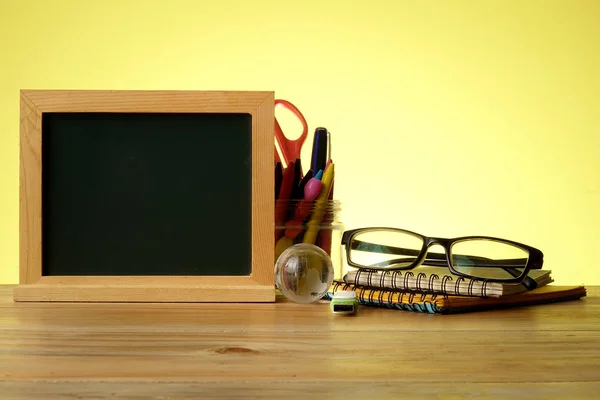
(309, 175)
(313, 186)
(313, 225)
(303, 206)
(297, 178)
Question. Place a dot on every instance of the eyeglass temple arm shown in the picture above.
(528, 282)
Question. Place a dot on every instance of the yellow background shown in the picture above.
(447, 117)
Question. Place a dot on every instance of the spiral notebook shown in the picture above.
(434, 303)
(439, 280)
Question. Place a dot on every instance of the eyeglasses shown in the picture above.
(479, 257)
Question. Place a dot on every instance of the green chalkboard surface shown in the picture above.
(146, 194)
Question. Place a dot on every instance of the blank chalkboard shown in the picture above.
(146, 196)
(146, 193)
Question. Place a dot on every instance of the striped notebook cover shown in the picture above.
(439, 280)
(445, 304)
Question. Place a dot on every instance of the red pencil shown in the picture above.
(281, 204)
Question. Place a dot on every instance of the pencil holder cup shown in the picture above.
(310, 221)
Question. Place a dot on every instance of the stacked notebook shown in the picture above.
(434, 290)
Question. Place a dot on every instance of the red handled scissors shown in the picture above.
(290, 149)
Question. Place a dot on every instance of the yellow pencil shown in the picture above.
(320, 204)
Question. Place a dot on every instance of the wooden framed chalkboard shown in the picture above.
(146, 196)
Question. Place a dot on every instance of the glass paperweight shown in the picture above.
(303, 273)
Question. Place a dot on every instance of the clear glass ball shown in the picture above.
(303, 273)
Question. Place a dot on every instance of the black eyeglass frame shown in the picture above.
(535, 259)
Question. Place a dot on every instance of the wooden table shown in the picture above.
(286, 350)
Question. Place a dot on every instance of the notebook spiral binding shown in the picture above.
(379, 297)
(445, 280)
(420, 286)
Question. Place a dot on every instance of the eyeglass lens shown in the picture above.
(385, 249)
(488, 259)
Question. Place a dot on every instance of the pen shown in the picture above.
(281, 205)
(319, 149)
(278, 178)
(321, 203)
(313, 187)
(296, 191)
(309, 175)
(283, 241)
(324, 236)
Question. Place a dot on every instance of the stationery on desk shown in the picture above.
(316, 218)
(440, 280)
(320, 150)
(284, 197)
(302, 203)
(310, 190)
(435, 290)
(301, 198)
(290, 149)
(436, 303)
(278, 178)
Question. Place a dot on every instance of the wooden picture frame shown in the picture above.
(257, 287)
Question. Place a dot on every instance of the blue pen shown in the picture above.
(320, 149)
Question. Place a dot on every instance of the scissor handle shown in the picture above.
(290, 148)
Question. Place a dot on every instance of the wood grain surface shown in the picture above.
(287, 350)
